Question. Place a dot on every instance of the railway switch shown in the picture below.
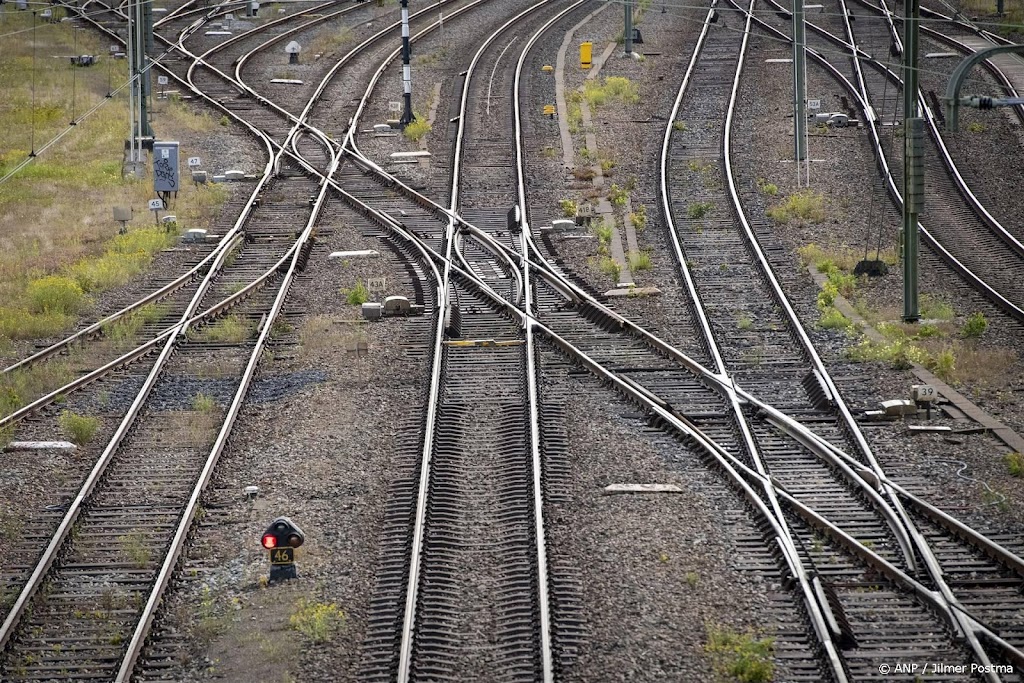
(281, 538)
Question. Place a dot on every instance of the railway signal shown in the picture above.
(281, 538)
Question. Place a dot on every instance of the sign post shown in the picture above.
(156, 206)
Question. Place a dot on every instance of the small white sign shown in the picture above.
(165, 153)
(376, 284)
(162, 80)
(114, 48)
(194, 161)
(293, 48)
(156, 204)
(394, 106)
(924, 393)
(814, 104)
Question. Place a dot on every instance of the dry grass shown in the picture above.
(55, 215)
(320, 334)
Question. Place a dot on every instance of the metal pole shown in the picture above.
(913, 167)
(130, 49)
(33, 152)
(627, 33)
(799, 87)
(407, 114)
(145, 47)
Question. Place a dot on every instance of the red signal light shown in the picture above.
(269, 541)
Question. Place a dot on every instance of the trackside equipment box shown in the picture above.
(166, 175)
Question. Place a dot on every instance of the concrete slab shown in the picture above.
(642, 488)
(632, 291)
(66, 446)
(568, 157)
(1012, 439)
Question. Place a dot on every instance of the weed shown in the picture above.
(569, 208)
(574, 118)
(610, 267)
(79, 428)
(358, 295)
(587, 173)
(698, 166)
(976, 127)
(316, 620)
(1015, 464)
(697, 210)
(832, 319)
(805, 206)
(943, 364)
(613, 88)
(679, 125)
(975, 326)
(549, 152)
(936, 309)
(603, 232)
(639, 217)
(134, 545)
(231, 329)
(744, 322)
(692, 579)
(741, 655)
(663, 558)
(417, 128)
(606, 166)
(639, 260)
(202, 403)
(770, 189)
(617, 195)
(55, 294)
(224, 121)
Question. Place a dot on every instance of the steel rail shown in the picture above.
(543, 610)
(1014, 310)
(49, 555)
(137, 642)
(955, 613)
(815, 609)
(97, 327)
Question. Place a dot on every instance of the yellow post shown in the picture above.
(586, 50)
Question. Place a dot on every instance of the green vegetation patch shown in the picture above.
(417, 129)
(806, 206)
(231, 329)
(743, 656)
(1014, 464)
(79, 428)
(317, 621)
(611, 88)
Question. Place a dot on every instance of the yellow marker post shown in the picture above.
(586, 52)
(549, 110)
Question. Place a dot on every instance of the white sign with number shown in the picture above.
(162, 80)
(814, 104)
(156, 204)
(376, 284)
(114, 48)
(194, 161)
(394, 106)
(924, 393)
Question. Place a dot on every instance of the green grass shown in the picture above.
(932, 308)
(770, 189)
(79, 428)
(742, 656)
(568, 207)
(679, 125)
(202, 403)
(603, 231)
(417, 129)
(618, 196)
(1014, 464)
(639, 217)
(358, 295)
(317, 621)
(832, 319)
(124, 330)
(975, 325)
(806, 206)
(612, 88)
(639, 260)
(231, 329)
(697, 210)
(55, 294)
(609, 267)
